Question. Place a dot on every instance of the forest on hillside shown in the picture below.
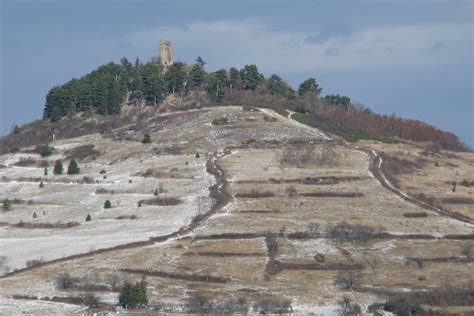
(105, 90)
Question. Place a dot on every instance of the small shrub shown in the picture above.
(6, 205)
(466, 183)
(291, 191)
(146, 139)
(44, 150)
(91, 300)
(58, 167)
(88, 218)
(102, 171)
(468, 251)
(73, 167)
(35, 215)
(347, 280)
(107, 204)
(64, 281)
(220, 121)
(34, 263)
(349, 308)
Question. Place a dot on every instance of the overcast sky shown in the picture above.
(412, 58)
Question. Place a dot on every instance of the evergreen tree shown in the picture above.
(41, 185)
(200, 62)
(73, 167)
(196, 76)
(16, 129)
(250, 77)
(309, 86)
(146, 138)
(88, 218)
(153, 88)
(58, 167)
(277, 86)
(45, 171)
(233, 78)
(175, 78)
(338, 100)
(216, 84)
(6, 205)
(107, 204)
(133, 295)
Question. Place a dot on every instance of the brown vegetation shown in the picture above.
(82, 152)
(45, 225)
(254, 193)
(308, 154)
(163, 201)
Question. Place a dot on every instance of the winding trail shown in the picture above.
(220, 198)
(376, 168)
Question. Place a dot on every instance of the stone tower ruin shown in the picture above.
(166, 53)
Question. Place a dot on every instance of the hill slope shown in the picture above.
(228, 209)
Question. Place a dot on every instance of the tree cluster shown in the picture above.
(107, 89)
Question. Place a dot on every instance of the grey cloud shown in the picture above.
(338, 32)
(435, 47)
(331, 51)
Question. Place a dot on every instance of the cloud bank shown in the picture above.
(228, 42)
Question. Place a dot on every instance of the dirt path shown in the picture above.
(376, 168)
(220, 198)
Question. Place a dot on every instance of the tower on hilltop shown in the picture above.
(166, 53)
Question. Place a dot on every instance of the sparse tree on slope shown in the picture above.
(73, 167)
(309, 86)
(58, 167)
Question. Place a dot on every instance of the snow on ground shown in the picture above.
(12, 307)
(63, 202)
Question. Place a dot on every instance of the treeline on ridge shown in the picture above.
(106, 89)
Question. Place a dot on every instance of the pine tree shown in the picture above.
(41, 185)
(250, 77)
(233, 78)
(146, 138)
(73, 167)
(133, 295)
(153, 87)
(45, 171)
(107, 204)
(309, 86)
(16, 129)
(88, 218)
(175, 78)
(196, 76)
(58, 167)
(6, 205)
